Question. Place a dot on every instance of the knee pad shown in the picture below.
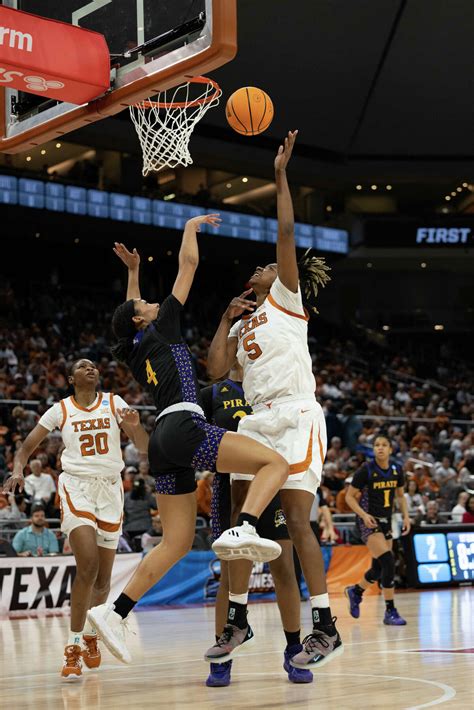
(387, 564)
(373, 574)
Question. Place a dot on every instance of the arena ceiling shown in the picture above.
(380, 90)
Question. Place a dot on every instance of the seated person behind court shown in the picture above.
(36, 540)
(39, 486)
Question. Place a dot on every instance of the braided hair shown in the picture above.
(313, 272)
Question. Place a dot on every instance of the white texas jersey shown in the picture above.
(273, 348)
(91, 436)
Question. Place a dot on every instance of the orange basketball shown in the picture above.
(249, 111)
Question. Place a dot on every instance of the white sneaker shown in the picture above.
(243, 541)
(111, 628)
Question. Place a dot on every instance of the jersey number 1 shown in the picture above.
(386, 498)
(252, 349)
(151, 374)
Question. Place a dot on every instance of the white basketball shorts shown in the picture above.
(95, 501)
(296, 429)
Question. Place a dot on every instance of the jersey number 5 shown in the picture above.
(91, 445)
(151, 374)
(252, 349)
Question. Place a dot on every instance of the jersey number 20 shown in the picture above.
(252, 349)
(91, 445)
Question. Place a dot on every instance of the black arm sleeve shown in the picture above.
(168, 322)
(322, 499)
(361, 477)
(206, 396)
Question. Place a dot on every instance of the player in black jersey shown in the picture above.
(378, 482)
(151, 344)
(224, 404)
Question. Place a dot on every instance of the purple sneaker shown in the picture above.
(354, 600)
(393, 618)
(219, 677)
(296, 675)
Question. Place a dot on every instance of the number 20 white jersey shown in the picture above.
(91, 436)
(273, 348)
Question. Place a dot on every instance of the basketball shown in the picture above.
(249, 111)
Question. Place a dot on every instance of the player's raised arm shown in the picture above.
(188, 258)
(133, 428)
(31, 443)
(286, 249)
(223, 349)
(131, 259)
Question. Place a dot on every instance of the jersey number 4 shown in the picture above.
(91, 445)
(151, 374)
(252, 349)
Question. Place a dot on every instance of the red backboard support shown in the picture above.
(140, 83)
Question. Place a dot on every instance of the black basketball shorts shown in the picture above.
(181, 443)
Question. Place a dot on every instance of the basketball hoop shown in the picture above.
(164, 125)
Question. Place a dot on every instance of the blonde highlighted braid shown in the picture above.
(313, 272)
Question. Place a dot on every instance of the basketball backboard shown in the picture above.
(153, 46)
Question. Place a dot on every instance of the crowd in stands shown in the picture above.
(363, 390)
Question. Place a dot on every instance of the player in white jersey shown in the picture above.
(271, 345)
(90, 493)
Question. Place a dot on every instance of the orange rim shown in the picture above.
(185, 104)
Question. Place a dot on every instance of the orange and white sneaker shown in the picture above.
(72, 668)
(91, 652)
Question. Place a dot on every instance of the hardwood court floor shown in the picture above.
(429, 662)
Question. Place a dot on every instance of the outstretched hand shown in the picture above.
(239, 304)
(212, 219)
(130, 259)
(129, 416)
(16, 479)
(285, 151)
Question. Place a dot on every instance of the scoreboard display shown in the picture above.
(444, 555)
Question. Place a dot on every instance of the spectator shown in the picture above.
(414, 499)
(36, 540)
(9, 511)
(341, 504)
(40, 487)
(128, 478)
(137, 507)
(468, 516)
(460, 507)
(26, 420)
(154, 535)
(144, 473)
(204, 494)
(431, 517)
(333, 425)
(443, 472)
(351, 428)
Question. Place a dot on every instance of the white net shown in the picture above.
(165, 123)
